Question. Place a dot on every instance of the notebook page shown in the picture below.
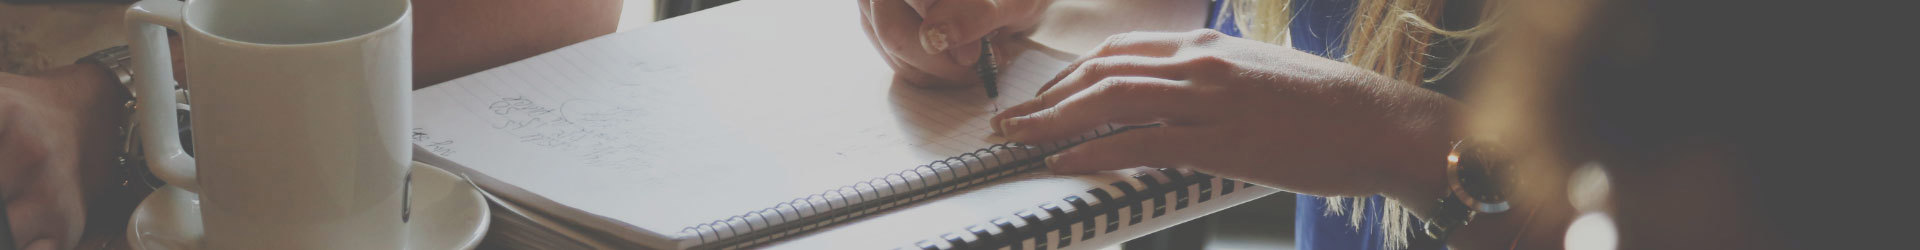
(661, 132)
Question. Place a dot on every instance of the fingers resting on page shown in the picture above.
(1223, 105)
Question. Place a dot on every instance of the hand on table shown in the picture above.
(1243, 109)
(934, 43)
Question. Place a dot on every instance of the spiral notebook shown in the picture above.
(717, 130)
(1147, 200)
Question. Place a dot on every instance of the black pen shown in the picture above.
(989, 74)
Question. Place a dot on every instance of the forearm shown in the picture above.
(87, 101)
(99, 101)
(454, 38)
(77, 87)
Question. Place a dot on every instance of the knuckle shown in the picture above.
(1135, 89)
(1040, 119)
(1209, 61)
(1127, 87)
(1204, 36)
(1115, 39)
(1112, 44)
(1106, 92)
(1112, 86)
(1099, 66)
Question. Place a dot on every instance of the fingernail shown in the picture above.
(934, 39)
(1006, 126)
(1000, 126)
(1053, 160)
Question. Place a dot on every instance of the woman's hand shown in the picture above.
(1243, 109)
(934, 43)
(57, 140)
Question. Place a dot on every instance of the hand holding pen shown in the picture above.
(939, 43)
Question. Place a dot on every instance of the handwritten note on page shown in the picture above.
(661, 133)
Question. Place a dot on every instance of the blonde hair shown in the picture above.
(1389, 37)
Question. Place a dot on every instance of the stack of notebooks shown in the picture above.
(777, 124)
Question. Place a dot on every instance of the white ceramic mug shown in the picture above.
(301, 117)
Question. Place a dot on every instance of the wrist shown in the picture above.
(1416, 171)
(88, 93)
(1419, 180)
(83, 87)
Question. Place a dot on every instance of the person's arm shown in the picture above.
(58, 134)
(1238, 108)
(1266, 114)
(454, 38)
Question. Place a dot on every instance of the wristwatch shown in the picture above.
(1476, 184)
(119, 61)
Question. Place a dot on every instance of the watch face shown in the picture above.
(1479, 177)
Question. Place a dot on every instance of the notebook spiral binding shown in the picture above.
(1054, 222)
(817, 211)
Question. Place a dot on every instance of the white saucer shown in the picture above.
(448, 213)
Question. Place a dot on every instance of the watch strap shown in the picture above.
(117, 60)
(1449, 215)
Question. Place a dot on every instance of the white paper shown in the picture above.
(664, 132)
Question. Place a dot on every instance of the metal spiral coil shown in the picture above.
(918, 183)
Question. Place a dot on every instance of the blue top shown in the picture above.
(1319, 28)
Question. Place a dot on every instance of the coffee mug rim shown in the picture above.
(406, 13)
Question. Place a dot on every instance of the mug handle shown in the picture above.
(147, 23)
